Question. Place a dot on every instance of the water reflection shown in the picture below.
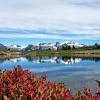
(17, 59)
(46, 59)
(49, 59)
(96, 59)
(80, 71)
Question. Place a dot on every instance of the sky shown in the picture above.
(33, 21)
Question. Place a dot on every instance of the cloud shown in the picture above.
(62, 19)
(46, 34)
(89, 3)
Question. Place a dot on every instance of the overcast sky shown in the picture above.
(49, 20)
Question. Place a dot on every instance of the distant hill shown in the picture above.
(2, 47)
(14, 47)
(32, 47)
(54, 46)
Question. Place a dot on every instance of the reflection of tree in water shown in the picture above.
(29, 58)
(65, 58)
(58, 59)
(1, 61)
(96, 59)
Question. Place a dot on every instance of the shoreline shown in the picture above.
(73, 53)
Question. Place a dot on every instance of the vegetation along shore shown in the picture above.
(19, 84)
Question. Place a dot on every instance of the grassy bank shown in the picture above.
(6, 52)
(76, 53)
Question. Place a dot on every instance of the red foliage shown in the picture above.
(19, 84)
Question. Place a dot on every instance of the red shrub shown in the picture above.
(19, 84)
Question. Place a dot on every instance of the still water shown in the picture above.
(75, 73)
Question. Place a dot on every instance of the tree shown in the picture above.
(96, 44)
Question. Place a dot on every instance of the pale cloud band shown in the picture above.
(59, 17)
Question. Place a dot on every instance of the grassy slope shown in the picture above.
(65, 53)
(76, 52)
(10, 52)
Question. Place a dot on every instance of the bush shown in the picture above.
(19, 84)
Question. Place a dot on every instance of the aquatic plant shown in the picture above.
(19, 84)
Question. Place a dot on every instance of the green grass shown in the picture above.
(64, 53)
(75, 52)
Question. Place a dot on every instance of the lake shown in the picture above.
(75, 73)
